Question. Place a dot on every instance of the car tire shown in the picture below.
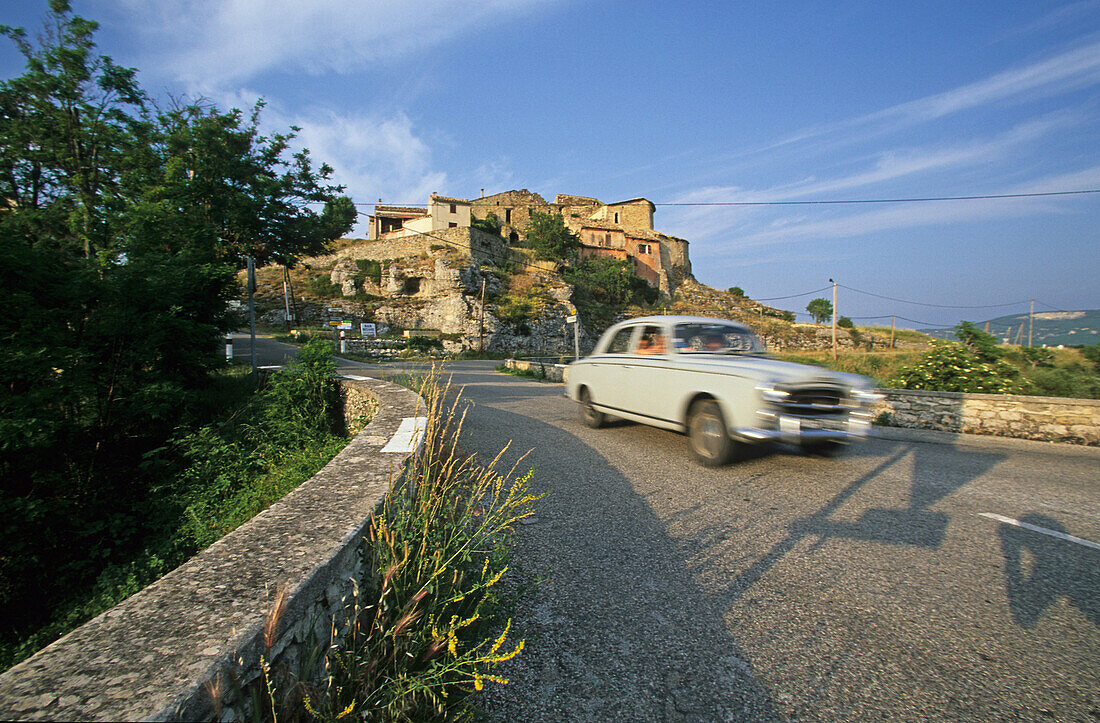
(589, 415)
(710, 442)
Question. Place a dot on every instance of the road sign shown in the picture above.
(367, 329)
(571, 319)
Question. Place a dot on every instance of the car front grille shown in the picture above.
(815, 401)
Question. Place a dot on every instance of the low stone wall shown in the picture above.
(548, 371)
(1052, 419)
(171, 651)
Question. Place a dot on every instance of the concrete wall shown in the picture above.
(1052, 419)
(168, 652)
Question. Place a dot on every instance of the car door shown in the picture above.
(649, 374)
(609, 370)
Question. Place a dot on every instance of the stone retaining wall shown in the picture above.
(169, 652)
(1051, 419)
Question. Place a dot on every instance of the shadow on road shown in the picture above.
(1040, 570)
(618, 629)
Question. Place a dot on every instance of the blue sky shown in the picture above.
(693, 102)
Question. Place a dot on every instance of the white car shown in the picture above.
(709, 378)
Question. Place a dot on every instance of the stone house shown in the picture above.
(621, 230)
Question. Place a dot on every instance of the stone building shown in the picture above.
(621, 230)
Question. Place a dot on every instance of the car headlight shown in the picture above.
(867, 396)
(770, 393)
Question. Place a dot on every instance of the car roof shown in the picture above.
(674, 319)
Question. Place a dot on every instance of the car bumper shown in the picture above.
(806, 430)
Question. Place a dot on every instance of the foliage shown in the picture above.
(425, 343)
(490, 224)
(845, 323)
(318, 284)
(428, 626)
(1074, 382)
(209, 479)
(952, 367)
(550, 238)
(367, 269)
(736, 291)
(881, 366)
(121, 231)
(820, 309)
(1092, 354)
(981, 345)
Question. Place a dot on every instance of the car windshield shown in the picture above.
(703, 338)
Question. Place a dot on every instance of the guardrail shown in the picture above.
(170, 651)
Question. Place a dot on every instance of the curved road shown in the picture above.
(893, 583)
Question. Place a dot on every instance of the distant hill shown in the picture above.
(1052, 328)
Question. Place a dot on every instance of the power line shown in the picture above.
(833, 202)
(882, 200)
(936, 306)
(794, 296)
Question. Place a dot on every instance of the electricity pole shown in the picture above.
(893, 323)
(834, 318)
(252, 313)
(481, 322)
(1031, 322)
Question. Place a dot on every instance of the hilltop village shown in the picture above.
(438, 269)
(622, 230)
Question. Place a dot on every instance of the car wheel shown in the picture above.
(710, 442)
(589, 415)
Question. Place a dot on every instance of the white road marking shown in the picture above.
(1042, 530)
(354, 377)
(407, 437)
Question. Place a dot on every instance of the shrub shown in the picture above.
(951, 367)
(428, 626)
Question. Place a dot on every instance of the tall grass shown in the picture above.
(426, 627)
(880, 366)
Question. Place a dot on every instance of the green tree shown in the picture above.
(952, 367)
(820, 309)
(550, 238)
(121, 231)
(736, 291)
(489, 224)
(981, 345)
(845, 323)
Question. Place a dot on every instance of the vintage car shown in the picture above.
(710, 379)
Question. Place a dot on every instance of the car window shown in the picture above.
(651, 341)
(703, 338)
(621, 341)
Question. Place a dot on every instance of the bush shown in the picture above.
(951, 367)
(428, 626)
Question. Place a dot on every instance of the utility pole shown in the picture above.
(286, 296)
(834, 318)
(1031, 323)
(893, 323)
(252, 313)
(481, 322)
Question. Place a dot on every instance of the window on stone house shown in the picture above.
(643, 248)
(507, 215)
(452, 224)
(607, 240)
(616, 218)
(454, 208)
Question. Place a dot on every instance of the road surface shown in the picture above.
(918, 576)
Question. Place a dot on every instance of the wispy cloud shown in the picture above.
(760, 224)
(208, 43)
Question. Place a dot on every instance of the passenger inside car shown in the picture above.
(652, 342)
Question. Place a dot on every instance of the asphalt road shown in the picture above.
(882, 585)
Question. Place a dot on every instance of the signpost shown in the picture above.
(367, 329)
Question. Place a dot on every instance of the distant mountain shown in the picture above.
(1052, 328)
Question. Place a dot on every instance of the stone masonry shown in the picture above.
(1051, 419)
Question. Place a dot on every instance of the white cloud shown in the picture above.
(757, 225)
(209, 43)
(375, 157)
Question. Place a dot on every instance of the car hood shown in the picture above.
(774, 370)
